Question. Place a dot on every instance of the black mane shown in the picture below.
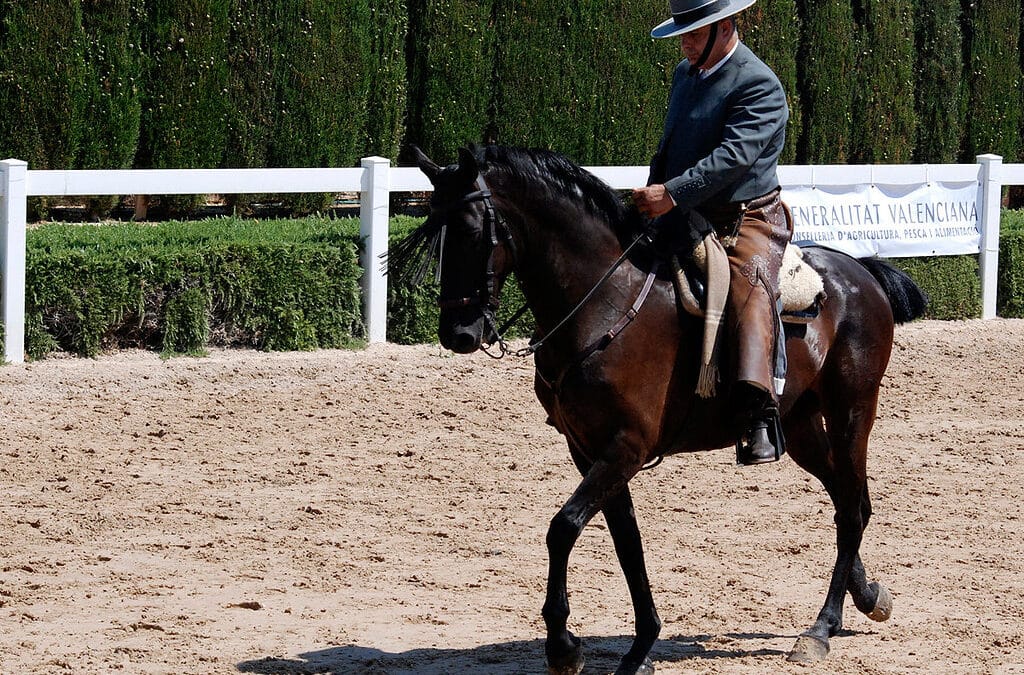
(560, 177)
(542, 170)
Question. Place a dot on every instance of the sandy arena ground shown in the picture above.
(384, 512)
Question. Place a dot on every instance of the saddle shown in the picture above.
(801, 287)
(702, 288)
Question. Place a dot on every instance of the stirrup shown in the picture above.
(764, 442)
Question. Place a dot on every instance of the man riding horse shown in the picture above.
(715, 169)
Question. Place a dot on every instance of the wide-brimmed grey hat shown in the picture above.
(689, 15)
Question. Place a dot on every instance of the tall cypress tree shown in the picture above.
(252, 57)
(322, 82)
(451, 61)
(992, 35)
(385, 124)
(771, 28)
(583, 78)
(885, 125)
(186, 110)
(540, 91)
(630, 78)
(113, 52)
(43, 78)
(939, 77)
(828, 58)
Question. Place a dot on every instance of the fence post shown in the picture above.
(13, 173)
(373, 228)
(988, 258)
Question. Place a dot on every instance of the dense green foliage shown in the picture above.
(771, 28)
(1010, 299)
(252, 110)
(247, 83)
(552, 91)
(951, 282)
(185, 111)
(884, 121)
(451, 62)
(827, 54)
(993, 34)
(178, 287)
(113, 104)
(253, 83)
(938, 88)
(385, 122)
(44, 82)
(321, 78)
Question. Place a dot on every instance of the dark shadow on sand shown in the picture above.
(506, 658)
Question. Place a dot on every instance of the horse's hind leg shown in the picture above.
(838, 459)
(871, 598)
(621, 518)
(601, 482)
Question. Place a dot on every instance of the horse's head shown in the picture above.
(473, 251)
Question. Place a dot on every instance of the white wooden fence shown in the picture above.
(376, 179)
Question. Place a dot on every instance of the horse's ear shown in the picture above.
(426, 165)
(467, 163)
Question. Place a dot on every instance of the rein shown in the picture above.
(622, 323)
(498, 233)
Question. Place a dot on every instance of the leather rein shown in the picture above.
(498, 234)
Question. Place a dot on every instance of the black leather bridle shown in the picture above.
(497, 235)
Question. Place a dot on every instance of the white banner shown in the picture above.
(890, 221)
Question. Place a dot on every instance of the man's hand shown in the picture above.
(653, 200)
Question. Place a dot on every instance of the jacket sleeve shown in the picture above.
(753, 116)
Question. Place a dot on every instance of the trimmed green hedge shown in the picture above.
(951, 282)
(1010, 298)
(179, 287)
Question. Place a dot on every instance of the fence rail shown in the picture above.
(376, 179)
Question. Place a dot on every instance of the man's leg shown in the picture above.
(754, 263)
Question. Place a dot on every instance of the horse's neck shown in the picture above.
(562, 252)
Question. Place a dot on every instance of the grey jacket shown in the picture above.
(723, 134)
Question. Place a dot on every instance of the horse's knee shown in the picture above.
(562, 533)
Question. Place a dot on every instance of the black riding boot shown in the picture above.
(763, 441)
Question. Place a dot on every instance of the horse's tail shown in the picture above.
(906, 298)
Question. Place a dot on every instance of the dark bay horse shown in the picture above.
(623, 402)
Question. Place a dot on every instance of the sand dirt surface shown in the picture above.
(384, 511)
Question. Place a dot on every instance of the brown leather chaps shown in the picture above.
(754, 235)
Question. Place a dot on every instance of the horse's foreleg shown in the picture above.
(602, 481)
(622, 525)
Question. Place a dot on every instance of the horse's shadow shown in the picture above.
(518, 656)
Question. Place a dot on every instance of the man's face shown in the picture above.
(692, 43)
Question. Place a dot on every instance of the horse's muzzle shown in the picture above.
(464, 334)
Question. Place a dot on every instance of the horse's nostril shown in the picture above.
(464, 343)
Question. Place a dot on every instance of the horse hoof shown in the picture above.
(573, 668)
(808, 649)
(883, 605)
(570, 663)
(646, 667)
